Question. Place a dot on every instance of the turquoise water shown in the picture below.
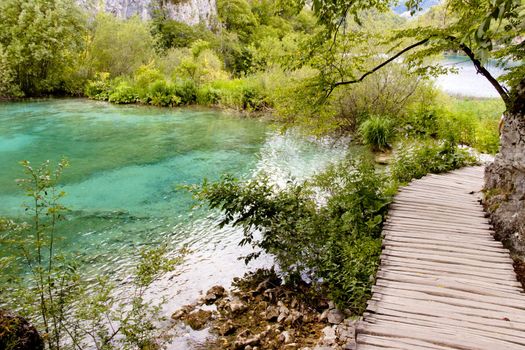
(127, 165)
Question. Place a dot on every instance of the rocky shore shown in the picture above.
(262, 313)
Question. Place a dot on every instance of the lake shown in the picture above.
(467, 82)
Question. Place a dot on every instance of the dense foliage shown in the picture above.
(337, 242)
(39, 44)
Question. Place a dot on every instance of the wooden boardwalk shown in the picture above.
(444, 282)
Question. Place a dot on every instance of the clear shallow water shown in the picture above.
(467, 82)
(127, 163)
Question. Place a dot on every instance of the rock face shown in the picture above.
(505, 179)
(188, 11)
(17, 334)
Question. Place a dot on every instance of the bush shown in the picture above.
(207, 96)
(422, 120)
(186, 90)
(100, 88)
(414, 161)
(469, 122)
(123, 93)
(162, 94)
(242, 94)
(377, 132)
(487, 137)
(119, 46)
(336, 245)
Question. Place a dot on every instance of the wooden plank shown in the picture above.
(480, 323)
(485, 317)
(396, 343)
(415, 264)
(445, 327)
(452, 339)
(448, 236)
(473, 294)
(443, 246)
(448, 302)
(438, 208)
(421, 224)
(428, 250)
(423, 267)
(438, 221)
(396, 232)
(454, 273)
(449, 260)
(482, 288)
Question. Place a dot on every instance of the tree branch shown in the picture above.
(477, 63)
(482, 70)
(375, 69)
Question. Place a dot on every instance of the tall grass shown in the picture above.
(377, 132)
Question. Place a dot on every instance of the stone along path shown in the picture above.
(444, 282)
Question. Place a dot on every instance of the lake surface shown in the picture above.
(123, 185)
(467, 82)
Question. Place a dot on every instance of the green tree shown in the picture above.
(39, 40)
(237, 16)
(119, 46)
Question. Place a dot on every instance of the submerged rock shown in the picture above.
(236, 306)
(213, 294)
(198, 319)
(16, 333)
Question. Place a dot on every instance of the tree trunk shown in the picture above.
(505, 179)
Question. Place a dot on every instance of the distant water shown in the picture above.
(467, 82)
(127, 165)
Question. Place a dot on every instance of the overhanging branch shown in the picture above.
(375, 69)
(477, 63)
(482, 70)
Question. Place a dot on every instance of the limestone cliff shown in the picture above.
(187, 11)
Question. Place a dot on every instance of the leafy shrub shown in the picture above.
(487, 137)
(173, 34)
(337, 243)
(243, 94)
(458, 128)
(207, 96)
(162, 94)
(422, 120)
(414, 161)
(186, 90)
(123, 93)
(377, 132)
(99, 89)
(119, 46)
(146, 75)
(469, 122)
